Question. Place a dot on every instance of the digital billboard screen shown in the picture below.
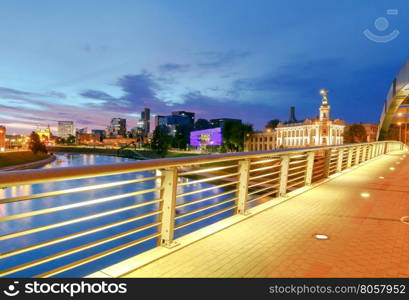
(208, 137)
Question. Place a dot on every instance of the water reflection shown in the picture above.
(104, 208)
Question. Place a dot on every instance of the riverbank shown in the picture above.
(20, 160)
(128, 153)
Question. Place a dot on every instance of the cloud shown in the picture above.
(216, 60)
(97, 95)
(172, 68)
(299, 78)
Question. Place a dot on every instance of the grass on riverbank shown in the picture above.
(21, 157)
(106, 151)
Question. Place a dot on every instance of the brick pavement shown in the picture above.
(366, 237)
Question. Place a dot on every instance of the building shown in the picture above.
(100, 132)
(295, 134)
(65, 129)
(117, 128)
(312, 132)
(82, 130)
(44, 134)
(261, 141)
(17, 141)
(2, 138)
(220, 122)
(146, 120)
(189, 115)
(159, 120)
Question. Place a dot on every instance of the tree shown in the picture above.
(161, 140)
(70, 139)
(202, 124)
(356, 133)
(182, 136)
(272, 124)
(234, 134)
(35, 144)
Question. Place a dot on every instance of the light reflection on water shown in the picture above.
(65, 160)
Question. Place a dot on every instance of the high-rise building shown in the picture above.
(2, 138)
(146, 120)
(159, 120)
(187, 114)
(117, 128)
(65, 129)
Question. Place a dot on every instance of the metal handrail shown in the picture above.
(14, 178)
(276, 173)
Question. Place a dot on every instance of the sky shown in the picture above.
(90, 61)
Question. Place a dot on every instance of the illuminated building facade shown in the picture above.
(2, 138)
(65, 129)
(312, 132)
(294, 134)
(117, 128)
(44, 134)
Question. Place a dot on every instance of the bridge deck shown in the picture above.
(366, 236)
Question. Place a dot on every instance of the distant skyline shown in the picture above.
(90, 61)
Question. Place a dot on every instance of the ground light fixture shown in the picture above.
(392, 168)
(365, 195)
(381, 177)
(320, 236)
(405, 220)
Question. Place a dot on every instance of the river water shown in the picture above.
(65, 160)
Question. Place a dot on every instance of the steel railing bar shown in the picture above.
(204, 199)
(76, 205)
(77, 190)
(97, 256)
(264, 175)
(204, 217)
(263, 182)
(206, 189)
(204, 208)
(73, 221)
(208, 179)
(207, 170)
(74, 250)
(263, 189)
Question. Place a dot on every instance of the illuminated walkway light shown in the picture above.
(392, 168)
(319, 236)
(365, 195)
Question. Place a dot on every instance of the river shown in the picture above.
(74, 159)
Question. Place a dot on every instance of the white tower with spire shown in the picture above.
(325, 108)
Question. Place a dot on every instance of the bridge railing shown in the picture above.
(147, 203)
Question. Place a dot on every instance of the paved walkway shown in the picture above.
(366, 237)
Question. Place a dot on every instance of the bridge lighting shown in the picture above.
(365, 195)
(319, 236)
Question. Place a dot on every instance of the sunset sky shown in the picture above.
(89, 61)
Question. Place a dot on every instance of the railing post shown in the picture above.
(350, 153)
(168, 195)
(284, 175)
(364, 153)
(340, 157)
(327, 161)
(310, 167)
(243, 186)
(357, 155)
